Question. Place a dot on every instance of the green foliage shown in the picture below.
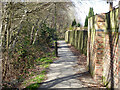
(73, 23)
(86, 22)
(44, 60)
(47, 34)
(33, 86)
(43, 72)
(90, 14)
(37, 79)
(70, 28)
(78, 25)
(46, 65)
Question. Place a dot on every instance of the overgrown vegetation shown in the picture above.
(37, 77)
(27, 38)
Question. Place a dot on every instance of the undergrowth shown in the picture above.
(37, 77)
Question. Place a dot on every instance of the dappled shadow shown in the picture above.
(62, 42)
(65, 46)
(62, 61)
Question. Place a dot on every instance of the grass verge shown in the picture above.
(38, 73)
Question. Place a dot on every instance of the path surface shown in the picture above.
(62, 73)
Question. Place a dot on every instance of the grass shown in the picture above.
(44, 60)
(44, 63)
(38, 79)
(32, 86)
(43, 72)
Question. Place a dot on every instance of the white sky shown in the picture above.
(82, 7)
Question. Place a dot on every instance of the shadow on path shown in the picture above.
(63, 46)
(51, 83)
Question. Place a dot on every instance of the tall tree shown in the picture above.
(86, 22)
(73, 22)
(90, 14)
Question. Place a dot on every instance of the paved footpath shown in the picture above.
(62, 73)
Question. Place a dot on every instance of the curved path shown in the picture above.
(62, 73)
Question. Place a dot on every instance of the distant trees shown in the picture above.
(74, 23)
(78, 25)
(90, 14)
(86, 22)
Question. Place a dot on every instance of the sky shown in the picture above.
(82, 8)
